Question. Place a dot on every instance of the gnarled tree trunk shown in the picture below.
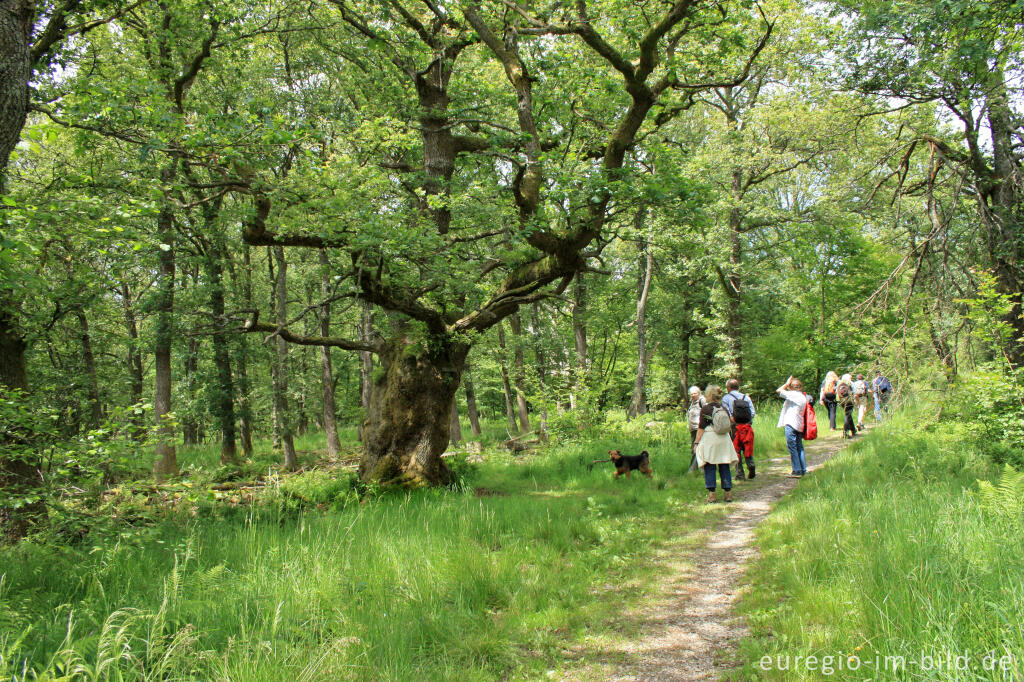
(409, 420)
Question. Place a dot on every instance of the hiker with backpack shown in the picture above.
(882, 389)
(741, 408)
(844, 396)
(714, 446)
(792, 419)
(827, 396)
(860, 399)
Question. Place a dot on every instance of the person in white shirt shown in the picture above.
(792, 419)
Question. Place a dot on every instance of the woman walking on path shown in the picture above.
(714, 447)
(828, 397)
(792, 418)
(844, 394)
(693, 420)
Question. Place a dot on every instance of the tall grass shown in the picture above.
(493, 581)
(892, 554)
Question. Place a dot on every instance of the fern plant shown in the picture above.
(1005, 498)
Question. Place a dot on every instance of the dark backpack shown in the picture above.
(843, 391)
(741, 410)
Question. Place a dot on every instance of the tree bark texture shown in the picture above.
(15, 72)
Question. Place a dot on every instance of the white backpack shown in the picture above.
(720, 421)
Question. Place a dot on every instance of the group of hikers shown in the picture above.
(852, 394)
(722, 432)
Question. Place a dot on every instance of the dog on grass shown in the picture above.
(627, 464)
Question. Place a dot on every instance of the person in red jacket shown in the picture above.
(741, 408)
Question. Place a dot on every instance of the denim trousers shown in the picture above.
(795, 443)
(723, 471)
(831, 405)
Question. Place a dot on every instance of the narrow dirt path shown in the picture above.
(687, 630)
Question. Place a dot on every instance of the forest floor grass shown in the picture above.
(307, 577)
(903, 559)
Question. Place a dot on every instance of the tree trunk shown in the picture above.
(474, 415)
(190, 419)
(244, 402)
(326, 371)
(16, 18)
(542, 368)
(166, 463)
(408, 424)
(519, 372)
(281, 413)
(365, 362)
(579, 333)
(95, 408)
(1004, 216)
(455, 428)
(222, 396)
(684, 365)
(134, 359)
(506, 386)
(638, 404)
(19, 473)
(734, 283)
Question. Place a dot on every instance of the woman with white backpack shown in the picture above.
(714, 443)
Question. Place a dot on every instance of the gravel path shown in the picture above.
(688, 632)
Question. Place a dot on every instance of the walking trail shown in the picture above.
(686, 630)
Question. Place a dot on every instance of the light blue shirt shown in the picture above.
(731, 397)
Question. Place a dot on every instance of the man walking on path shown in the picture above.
(881, 390)
(792, 418)
(741, 409)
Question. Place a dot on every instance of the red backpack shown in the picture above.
(810, 422)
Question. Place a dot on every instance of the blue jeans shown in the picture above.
(795, 443)
(723, 471)
(880, 400)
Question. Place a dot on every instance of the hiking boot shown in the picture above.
(750, 468)
(739, 474)
(728, 496)
(711, 496)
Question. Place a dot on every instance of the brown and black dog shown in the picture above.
(626, 464)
